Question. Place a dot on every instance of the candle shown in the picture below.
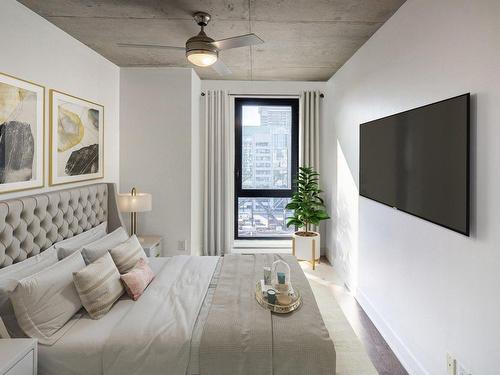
(281, 277)
(282, 288)
(271, 296)
(284, 299)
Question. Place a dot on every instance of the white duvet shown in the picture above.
(150, 336)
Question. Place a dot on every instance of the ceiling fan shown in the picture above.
(203, 51)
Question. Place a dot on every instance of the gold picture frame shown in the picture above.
(22, 124)
(76, 147)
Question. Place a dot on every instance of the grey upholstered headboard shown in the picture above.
(31, 224)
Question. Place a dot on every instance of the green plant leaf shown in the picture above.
(306, 202)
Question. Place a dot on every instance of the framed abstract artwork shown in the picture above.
(22, 120)
(76, 139)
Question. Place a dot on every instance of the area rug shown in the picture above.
(352, 358)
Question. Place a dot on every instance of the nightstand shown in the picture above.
(151, 245)
(18, 357)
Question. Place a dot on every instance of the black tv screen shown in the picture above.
(418, 162)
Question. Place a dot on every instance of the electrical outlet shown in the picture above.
(451, 364)
(182, 245)
(461, 370)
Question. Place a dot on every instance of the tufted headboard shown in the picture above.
(31, 224)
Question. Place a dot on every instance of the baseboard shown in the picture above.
(328, 254)
(405, 356)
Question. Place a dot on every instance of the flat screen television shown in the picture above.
(417, 161)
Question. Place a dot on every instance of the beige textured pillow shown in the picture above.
(99, 286)
(46, 301)
(127, 254)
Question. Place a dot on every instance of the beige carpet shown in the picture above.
(351, 355)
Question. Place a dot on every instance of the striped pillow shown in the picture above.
(99, 286)
(127, 254)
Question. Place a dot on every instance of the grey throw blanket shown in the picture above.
(242, 338)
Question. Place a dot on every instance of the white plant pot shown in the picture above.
(306, 247)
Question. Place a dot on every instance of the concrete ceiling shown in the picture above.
(305, 40)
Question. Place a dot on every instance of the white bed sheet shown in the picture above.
(155, 335)
(79, 351)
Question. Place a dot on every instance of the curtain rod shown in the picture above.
(321, 95)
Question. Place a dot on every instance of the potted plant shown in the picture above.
(308, 210)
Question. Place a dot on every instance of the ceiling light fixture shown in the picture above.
(199, 49)
(203, 51)
(202, 58)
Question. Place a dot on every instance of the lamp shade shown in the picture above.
(140, 202)
(201, 57)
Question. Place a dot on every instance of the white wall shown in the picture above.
(157, 122)
(197, 163)
(429, 290)
(35, 50)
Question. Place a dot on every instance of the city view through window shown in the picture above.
(266, 160)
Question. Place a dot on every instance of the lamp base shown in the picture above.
(133, 223)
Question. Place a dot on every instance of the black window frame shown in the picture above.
(239, 192)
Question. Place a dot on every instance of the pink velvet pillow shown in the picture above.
(137, 279)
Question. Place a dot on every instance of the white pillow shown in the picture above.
(93, 251)
(46, 301)
(127, 254)
(70, 245)
(10, 275)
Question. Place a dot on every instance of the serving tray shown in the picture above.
(280, 309)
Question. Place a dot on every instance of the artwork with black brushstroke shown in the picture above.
(19, 143)
(77, 139)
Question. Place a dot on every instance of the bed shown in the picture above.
(198, 316)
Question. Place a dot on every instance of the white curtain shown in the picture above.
(309, 130)
(218, 179)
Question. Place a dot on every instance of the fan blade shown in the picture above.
(221, 68)
(238, 41)
(132, 45)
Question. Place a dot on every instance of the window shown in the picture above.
(265, 166)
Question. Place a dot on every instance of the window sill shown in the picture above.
(262, 246)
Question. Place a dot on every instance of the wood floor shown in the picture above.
(381, 355)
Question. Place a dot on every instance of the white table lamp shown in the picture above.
(133, 203)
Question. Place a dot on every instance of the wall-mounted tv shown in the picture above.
(417, 161)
